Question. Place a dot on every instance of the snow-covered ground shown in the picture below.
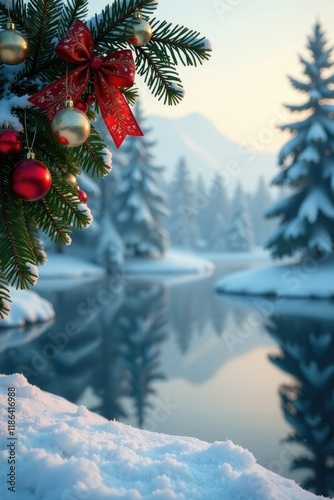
(173, 262)
(309, 278)
(65, 451)
(62, 266)
(257, 254)
(26, 308)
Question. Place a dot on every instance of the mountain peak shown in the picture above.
(207, 150)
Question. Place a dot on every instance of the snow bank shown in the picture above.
(26, 308)
(62, 266)
(173, 262)
(257, 254)
(309, 278)
(64, 451)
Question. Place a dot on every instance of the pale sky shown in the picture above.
(256, 44)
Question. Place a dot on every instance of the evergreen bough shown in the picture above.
(44, 22)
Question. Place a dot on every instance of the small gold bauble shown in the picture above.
(141, 32)
(14, 47)
(71, 179)
(70, 126)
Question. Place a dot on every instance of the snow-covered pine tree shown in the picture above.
(307, 215)
(109, 247)
(140, 204)
(34, 85)
(217, 242)
(258, 204)
(219, 202)
(239, 236)
(201, 216)
(183, 223)
(218, 213)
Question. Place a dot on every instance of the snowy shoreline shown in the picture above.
(308, 279)
(66, 450)
(173, 262)
(27, 308)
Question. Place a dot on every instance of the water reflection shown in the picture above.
(307, 353)
(117, 350)
(112, 351)
(104, 351)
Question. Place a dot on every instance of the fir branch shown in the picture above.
(90, 156)
(114, 21)
(18, 14)
(68, 201)
(178, 42)
(50, 223)
(42, 23)
(4, 296)
(131, 94)
(15, 245)
(303, 87)
(58, 212)
(75, 9)
(160, 76)
(37, 245)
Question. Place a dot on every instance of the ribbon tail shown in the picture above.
(115, 111)
(51, 98)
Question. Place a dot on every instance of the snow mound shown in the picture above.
(62, 266)
(256, 254)
(173, 262)
(310, 278)
(27, 308)
(66, 451)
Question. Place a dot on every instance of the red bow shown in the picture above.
(114, 70)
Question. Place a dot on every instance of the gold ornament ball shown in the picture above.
(14, 47)
(141, 32)
(71, 179)
(70, 126)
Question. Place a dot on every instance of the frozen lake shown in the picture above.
(174, 357)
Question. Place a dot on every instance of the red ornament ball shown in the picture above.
(82, 195)
(10, 142)
(83, 106)
(90, 98)
(30, 180)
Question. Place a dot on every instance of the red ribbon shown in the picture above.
(110, 72)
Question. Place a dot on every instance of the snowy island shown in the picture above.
(310, 278)
(65, 451)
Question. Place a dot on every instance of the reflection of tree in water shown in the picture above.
(183, 316)
(107, 380)
(142, 325)
(218, 314)
(115, 357)
(193, 307)
(307, 353)
(116, 354)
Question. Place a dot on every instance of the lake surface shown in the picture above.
(172, 356)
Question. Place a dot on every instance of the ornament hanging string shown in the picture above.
(68, 97)
(30, 148)
(110, 72)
